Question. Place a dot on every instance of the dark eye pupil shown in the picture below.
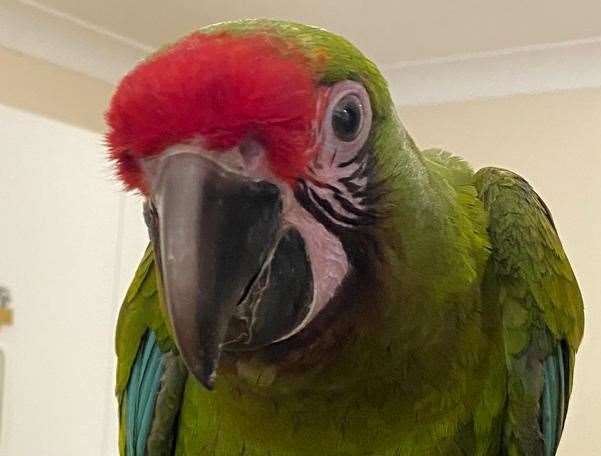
(346, 119)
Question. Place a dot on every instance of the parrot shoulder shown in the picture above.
(455, 169)
(541, 309)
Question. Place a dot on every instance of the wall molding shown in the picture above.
(531, 69)
(34, 29)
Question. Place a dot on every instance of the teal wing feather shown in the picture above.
(555, 397)
(141, 395)
(541, 309)
(150, 374)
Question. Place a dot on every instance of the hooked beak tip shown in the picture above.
(208, 381)
(202, 368)
(209, 373)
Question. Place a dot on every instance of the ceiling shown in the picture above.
(430, 51)
(388, 31)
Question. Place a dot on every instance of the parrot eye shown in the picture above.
(347, 118)
(346, 123)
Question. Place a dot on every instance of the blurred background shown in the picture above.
(508, 83)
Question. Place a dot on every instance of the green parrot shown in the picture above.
(317, 285)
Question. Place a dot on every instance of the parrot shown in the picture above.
(314, 282)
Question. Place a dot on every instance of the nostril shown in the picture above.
(252, 153)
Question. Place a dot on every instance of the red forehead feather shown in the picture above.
(222, 87)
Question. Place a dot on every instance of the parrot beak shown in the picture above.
(212, 229)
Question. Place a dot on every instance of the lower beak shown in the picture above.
(213, 230)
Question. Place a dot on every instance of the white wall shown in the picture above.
(63, 223)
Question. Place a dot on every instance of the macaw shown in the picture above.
(315, 284)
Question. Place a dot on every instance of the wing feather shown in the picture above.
(541, 309)
(150, 376)
(142, 391)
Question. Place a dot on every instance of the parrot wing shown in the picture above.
(150, 375)
(530, 278)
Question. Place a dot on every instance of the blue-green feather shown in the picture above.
(554, 398)
(142, 391)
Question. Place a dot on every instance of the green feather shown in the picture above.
(542, 311)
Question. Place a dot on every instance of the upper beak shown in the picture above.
(213, 230)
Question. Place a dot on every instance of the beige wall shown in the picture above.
(62, 218)
(40, 87)
(68, 230)
(554, 140)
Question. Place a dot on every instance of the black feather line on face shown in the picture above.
(302, 196)
(360, 156)
(320, 184)
(357, 174)
(350, 207)
(329, 209)
(354, 201)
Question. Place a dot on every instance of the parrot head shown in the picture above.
(259, 148)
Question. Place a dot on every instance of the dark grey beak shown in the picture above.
(213, 230)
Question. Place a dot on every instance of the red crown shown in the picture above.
(223, 88)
